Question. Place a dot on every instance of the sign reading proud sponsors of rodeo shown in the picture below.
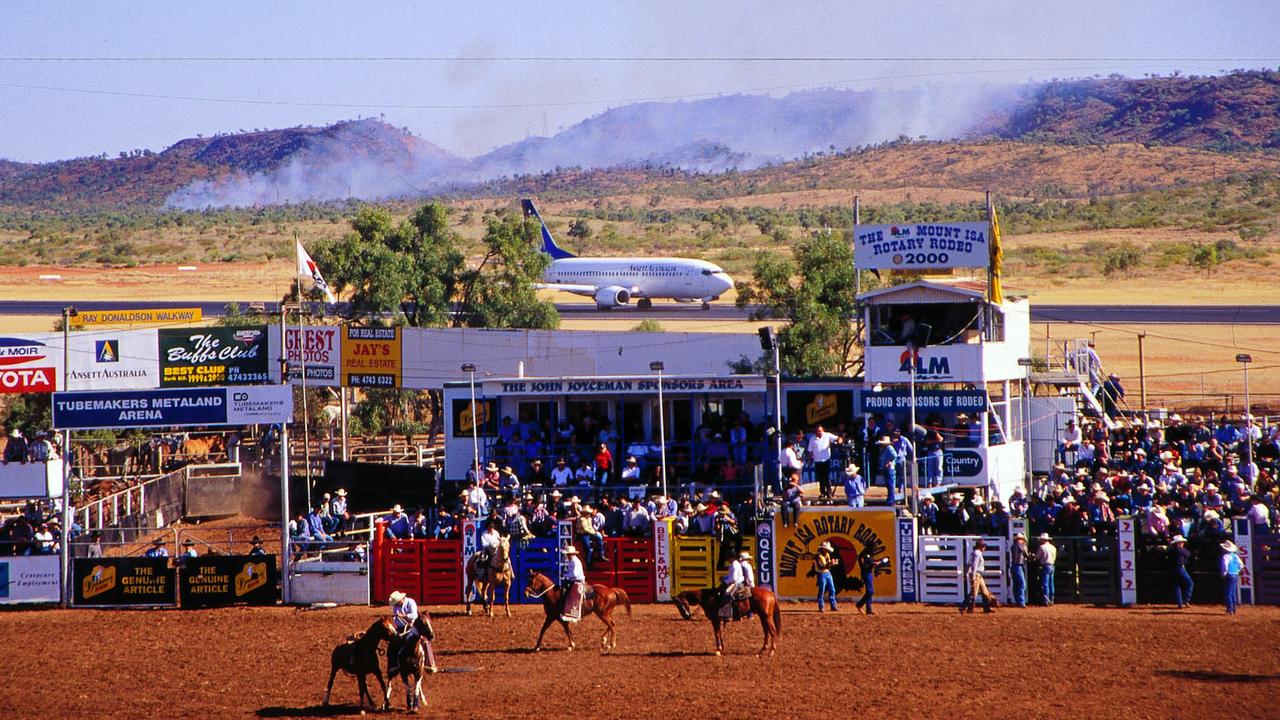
(123, 581)
(121, 360)
(626, 386)
(27, 365)
(180, 406)
(371, 357)
(217, 580)
(320, 348)
(213, 356)
(30, 578)
(921, 245)
(967, 401)
(849, 531)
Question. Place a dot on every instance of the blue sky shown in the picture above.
(506, 99)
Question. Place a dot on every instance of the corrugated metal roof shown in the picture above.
(926, 291)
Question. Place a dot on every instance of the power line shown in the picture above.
(621, 58)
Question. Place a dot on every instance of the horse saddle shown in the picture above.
(589, 593)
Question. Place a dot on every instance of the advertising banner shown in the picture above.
(123, 581)
(106, 360)
(30, 579)
(849, 531)
(213, 356)
(966, 401)
(371, 357)
(175, 407)
(154, 316)
(627, 386)
(462, 420)
(218, 580)
(907, 590)
(29, 365)
(765, 553)
(662, 559)
(912, 246)
(319, 346)
(812, 408)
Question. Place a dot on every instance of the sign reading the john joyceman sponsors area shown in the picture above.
(921, 245)
(626, 386)
(213, 356)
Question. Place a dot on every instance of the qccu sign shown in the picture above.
(25, 366)
(922, 245)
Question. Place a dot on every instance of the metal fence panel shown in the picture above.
(1266, 568)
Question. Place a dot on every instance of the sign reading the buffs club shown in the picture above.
(850, 531)
(371, 357)
(213, 356)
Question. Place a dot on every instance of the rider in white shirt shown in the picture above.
(740, 576)
(490, 541)
(404, 615)
(573, 580)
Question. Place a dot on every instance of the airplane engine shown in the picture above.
(612, 296)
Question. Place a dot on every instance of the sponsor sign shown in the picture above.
(320, 349)
(931, 365)
(174, 407)
(462, 421)
(812, 408)
(1128, 560)
(371, 357)
(564, 538)
(966, 401)
(123, 581)
(626, 386)
(849, 531)
(909, 246)
(213, 356)
(30, 579)
(907, 560)
(662, 559)
(31, 480)
(765, 553)
(123, 360)
(1244, 541)
(962, 463)
(136, 317)
(217, 580)
(469, 546)
(27, 365)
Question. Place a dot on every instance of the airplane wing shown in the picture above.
(588, 290)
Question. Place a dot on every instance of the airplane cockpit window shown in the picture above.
(706, 272)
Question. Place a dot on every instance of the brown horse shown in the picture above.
(500, 575)
(605, 600)
(358, 656)
(761, 601)
(413, 665)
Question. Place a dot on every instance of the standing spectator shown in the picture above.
(728, 534)
(822, 564)
(189, 548)
(1112, 394)
(867, 570)
(977, 583)
(39, 449)
(855, 488)
(477, 499)
(1182, 582)
(888, 466)
(1018, 558)
(16, 449)
(1259, 515)
(157, 549)
(790, 460)
(819, 453)
(1046, 557)
(604, 464)
(934, 458)
(95, 544)
(233, 450)
(792, 499)
(928, 515)
(1231, 567)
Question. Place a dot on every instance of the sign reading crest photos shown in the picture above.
(213, 356)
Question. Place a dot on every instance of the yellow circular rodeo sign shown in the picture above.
(849, 531)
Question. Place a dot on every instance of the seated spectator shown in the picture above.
(44, 540)
(398, 523)
(561, 475)
(792, 500)
(637, 520)
(585, 474)
(477, 499)
(631, 471)
(16, 449)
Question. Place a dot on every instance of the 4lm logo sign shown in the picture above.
(931, 368)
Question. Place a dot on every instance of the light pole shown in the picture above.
(65, 564)
(1026, 363)
(769, 341)
(1244, 359)
(658, 367)
(470, 369)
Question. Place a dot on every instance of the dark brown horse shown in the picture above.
(605, 600)
(413, 664)
(761, 601)
(358, 655)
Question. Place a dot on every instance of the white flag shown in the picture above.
(307, 268)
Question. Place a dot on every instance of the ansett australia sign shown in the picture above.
(922, 245)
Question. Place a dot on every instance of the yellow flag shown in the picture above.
(997, 258)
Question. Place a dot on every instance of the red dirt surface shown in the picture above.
(906, 661)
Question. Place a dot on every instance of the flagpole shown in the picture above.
(302, 353)
(991, 282)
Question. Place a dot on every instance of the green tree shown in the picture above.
(500, 292)
(814, 293)
(647, 325)
(579, 229)
(1206, 258)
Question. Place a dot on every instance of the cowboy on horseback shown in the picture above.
(404, 615)
(489, 543)
(573, 585)
(737, 584)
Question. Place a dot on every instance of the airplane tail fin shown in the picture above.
(548, 243)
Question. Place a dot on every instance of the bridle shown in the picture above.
(537, 596)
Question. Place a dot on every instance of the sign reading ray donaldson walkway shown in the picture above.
(921, 245)
(153, 316)
(178, 406)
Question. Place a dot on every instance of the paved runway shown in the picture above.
(1098, 314)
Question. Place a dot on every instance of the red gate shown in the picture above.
(630, 566)
(430, 571)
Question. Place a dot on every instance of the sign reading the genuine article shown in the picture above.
(162, 408)
(921, 245)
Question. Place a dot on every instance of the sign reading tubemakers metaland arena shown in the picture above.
(922, 245)
(213, 356)
(177, 406)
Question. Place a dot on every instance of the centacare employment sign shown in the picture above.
(906, 246)
(172, 407)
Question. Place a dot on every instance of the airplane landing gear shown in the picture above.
(644, 303)
(706, 304)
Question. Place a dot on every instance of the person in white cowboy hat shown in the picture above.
(823, 561)
(1070, 440)
(1046, 557)
(888, 470)
(1231, 568)
(572, 583)
(338, 504)
(736, 583)
(1019, 556)
(1182, 582)
(410, 626)
(855, 487)
(977, 582)
(16, 449)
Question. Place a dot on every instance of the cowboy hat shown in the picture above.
(1177, 539)
(396, 597)
(568, 550)
(574, 500)
(1043, 536)
(977, 500)
(631, 458)
(340, 492)
(884, 440)
(506, 469)
(14, 433)
(397, 508)
(1228, 546)
(1017, 536)
(851, 469)
(158, 541)
(700, 508)
(491, 466)
(256, 540)
(745, 555)
(188, 542)
(825, 546)
(927, 498)
(556, 494)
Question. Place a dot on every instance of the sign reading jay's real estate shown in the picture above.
(905, 246)
(213, 356)
(371, 357)
(173, 407)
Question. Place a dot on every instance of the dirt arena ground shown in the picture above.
(906, 661)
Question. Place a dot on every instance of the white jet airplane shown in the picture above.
(615, 281)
